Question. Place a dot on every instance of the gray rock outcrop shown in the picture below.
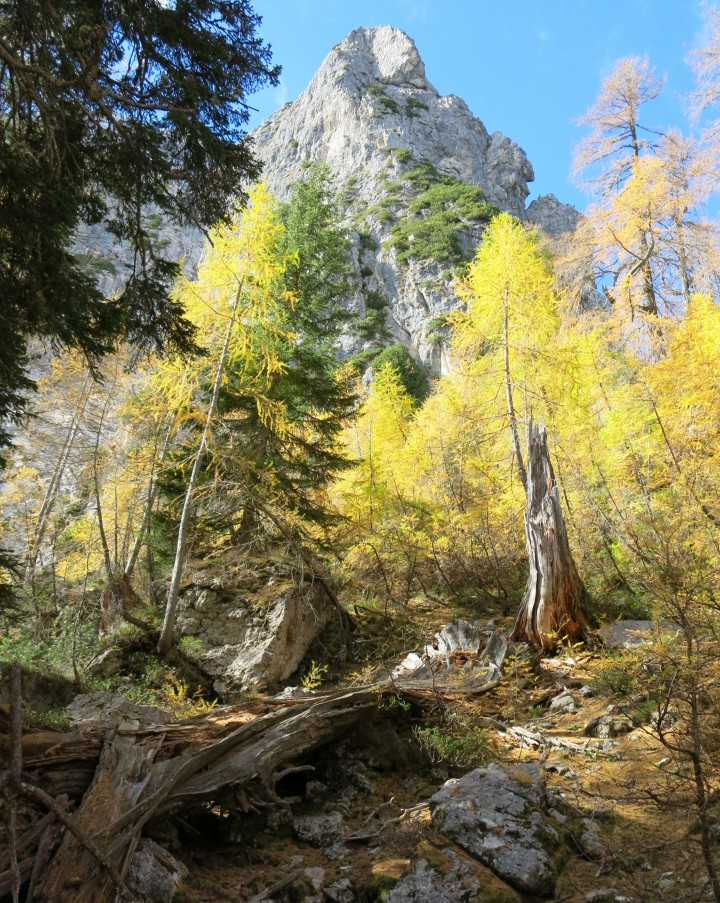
(253, 632)
(500, 816)
(626, 634)
(372, 116)
(424, 884)
(102, 709)
(552, 216)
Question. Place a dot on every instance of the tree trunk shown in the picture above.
(509, 396)
(166, 635)
(232, 757)
(552, 606)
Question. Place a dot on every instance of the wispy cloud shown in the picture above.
(281, 92)
(415, 9)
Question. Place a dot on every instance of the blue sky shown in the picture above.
(527, 68)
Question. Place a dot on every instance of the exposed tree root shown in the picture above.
(231, 757)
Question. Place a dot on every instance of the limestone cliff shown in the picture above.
(372, 116)
(419, 176)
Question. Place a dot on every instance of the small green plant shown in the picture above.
(362, 360)
(394, 702)
(375, 300)
(367, 242)
(191, 646)
(373, 325)
(293, 143)
(461, 745)
(616, 680)
(314, 676)
(402, 154)
(388, 103)
(412, 105)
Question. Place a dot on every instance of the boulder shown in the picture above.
(154, 875)
(625, 634)
(250, 636)
(499, 815)
(456, 884)
(342, 891)
(320, 830)
(102, 709)
(609, 726)
(563, 704)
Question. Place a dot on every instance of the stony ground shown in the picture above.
(374, 788)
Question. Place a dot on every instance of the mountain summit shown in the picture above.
(419, 177)
(370, 95)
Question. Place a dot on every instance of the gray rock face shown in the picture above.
(339, 120)
(552, 216)
(371, 115)
(425, 885)
(246, 641)
(500, 816)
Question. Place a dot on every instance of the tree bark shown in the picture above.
(552, 606)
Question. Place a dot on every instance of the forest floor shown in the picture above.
(631, 789)
(379, 777)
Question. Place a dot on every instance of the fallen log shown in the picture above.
(230, 757)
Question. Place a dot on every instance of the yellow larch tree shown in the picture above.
(236, 304)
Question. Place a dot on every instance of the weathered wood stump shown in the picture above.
(553, 604)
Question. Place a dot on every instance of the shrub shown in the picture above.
(412, 104)
(461, 745)
(442, 208)
(411, 373)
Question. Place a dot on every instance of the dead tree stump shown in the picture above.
(553, 604)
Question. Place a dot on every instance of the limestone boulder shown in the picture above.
(500, 816)
(245, 638)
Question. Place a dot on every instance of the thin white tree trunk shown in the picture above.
(55, 482)
(509, 395)
(166, 636)
(147, 513)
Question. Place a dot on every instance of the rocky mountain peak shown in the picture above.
(384, 53)
(394, 145)
(395, 148)
(370, 98)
